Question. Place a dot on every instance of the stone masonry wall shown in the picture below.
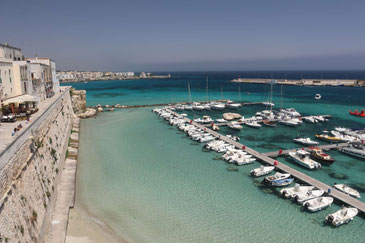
(29, 181)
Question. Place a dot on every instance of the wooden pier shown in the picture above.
(353, 202)
(326, 147)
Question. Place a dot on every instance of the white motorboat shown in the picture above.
(305, 141)
(295, 190)
(317, 204)
(253, 124)
(360, 153)
(310, 119)
(198, 107)
(348, 190)
(204, 120)
(188, 108)
(206, 139)
(206, 107)
(218, 106)
(262, 170)
(317, 96)
(268, 103)
(234, 126)
(244, 160)
(232, 105)
(302, 158)
(342, 216)
(221, 120)
(290, 123)
(310, 194)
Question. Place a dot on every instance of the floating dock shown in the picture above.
(353, 202)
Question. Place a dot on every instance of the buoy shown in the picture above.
(243, 147)
(276, 163)
(280, 151)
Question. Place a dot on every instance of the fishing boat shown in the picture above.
(317, 204)
(356, 152)
(328, 138)
(356, 113)
(317, 96)
(348, 190)
(302, 158)
(234, 126)
(295, 190)
(269, 123)
(342, 216)
(262, 170)
(305, 141)
(318, 155)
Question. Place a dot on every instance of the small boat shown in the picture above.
(310, 194)
(318, 155)
(206, 107)
(310, 119)
(262, 170)
(283, 182)
(269, 123)
(290, 123)
(253, 124)
(198, 107)
(188, 108)
(317, 96)
(356, 152)
(276, 176)
(268, 103)
(218, 106)
(342, 216)
(295, 190)
(302, 158)
(347, 190)
(220, 120)
(326, 137)
(234, 126)
(356, 113)
(232, 105)
(317, 204)
(305, 141)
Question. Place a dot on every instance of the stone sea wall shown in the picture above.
(29, 182)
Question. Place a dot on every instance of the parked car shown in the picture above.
(8, 118)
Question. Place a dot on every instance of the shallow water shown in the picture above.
(151, 183)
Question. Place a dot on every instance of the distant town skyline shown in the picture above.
(167, 36)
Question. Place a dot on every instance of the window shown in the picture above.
(9, 75)
(1, 81)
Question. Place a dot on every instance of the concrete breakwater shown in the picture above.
(304, 82)
(29, 180)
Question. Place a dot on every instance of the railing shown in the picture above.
(17, 143)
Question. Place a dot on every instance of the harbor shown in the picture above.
(338, 195)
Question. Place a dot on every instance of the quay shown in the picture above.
(245, 120)
(326, 147)
(167, 104)
(340, 196)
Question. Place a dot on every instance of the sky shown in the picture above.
(188, 35)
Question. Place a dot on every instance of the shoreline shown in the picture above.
(84, 227)
(112, 79)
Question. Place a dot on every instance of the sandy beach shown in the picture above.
(86, 228)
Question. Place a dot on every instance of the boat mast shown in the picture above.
(221, 93)
(239, 92)
(207, 90)
(189, 92)
(281, 96)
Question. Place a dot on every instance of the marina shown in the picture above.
(338, 195)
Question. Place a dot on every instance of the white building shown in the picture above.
(22, 78)
(52, 79)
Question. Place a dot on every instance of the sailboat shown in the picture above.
(189, 107)
(206, 106)
(233, 105)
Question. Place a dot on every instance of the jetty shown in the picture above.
(325, 147)
(338, 195)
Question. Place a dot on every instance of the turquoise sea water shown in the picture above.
(150, 183)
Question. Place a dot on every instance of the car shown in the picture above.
(9, 118)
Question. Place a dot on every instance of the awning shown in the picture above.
(21, 99)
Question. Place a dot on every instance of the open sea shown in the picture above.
(151, 183)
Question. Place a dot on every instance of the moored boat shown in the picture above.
(262, 170)
(348, 190)
(305, 141)
(342, 216)
(318, 155)
(295, 190)
(317, 204)
(302, 158)
(269, 123)
(234, 126)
